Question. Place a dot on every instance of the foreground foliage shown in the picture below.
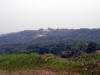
(88, 64)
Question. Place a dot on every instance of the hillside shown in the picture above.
(34, 64)
(40, 36)
(62, 42)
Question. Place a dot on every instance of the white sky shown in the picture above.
(17, 15)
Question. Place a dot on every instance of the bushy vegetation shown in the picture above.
(62, 49)
(88, 64)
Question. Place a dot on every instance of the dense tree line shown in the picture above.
(65, 49)
(58, 48)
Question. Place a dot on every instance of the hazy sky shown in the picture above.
(16, 15)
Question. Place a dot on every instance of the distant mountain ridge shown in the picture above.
(40, 36)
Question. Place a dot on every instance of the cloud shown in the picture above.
(16, 15)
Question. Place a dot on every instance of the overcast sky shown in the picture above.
(17, 15)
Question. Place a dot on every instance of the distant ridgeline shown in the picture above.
(62, 42)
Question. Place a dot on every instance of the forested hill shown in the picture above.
(62, 42)
(48, 35)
